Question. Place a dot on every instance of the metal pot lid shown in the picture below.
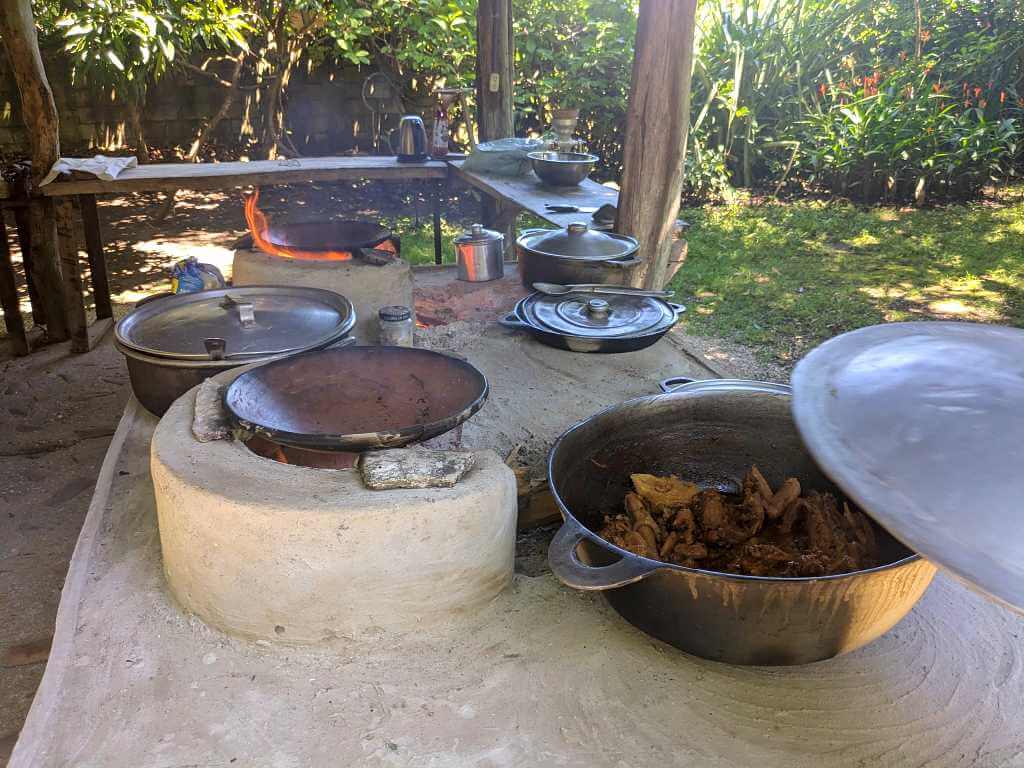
(478, 234)
(237, 323)
(578, 241)
(604, 316)
(922, 425)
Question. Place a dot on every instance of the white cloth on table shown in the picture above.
(101, 166)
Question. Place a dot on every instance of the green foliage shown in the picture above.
(849, 96)
(783, 278)
(576, 53)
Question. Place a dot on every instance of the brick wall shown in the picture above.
(325, 112)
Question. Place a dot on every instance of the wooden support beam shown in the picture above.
(495, 119)
(657, 124)
(18, 31)
(72, 274)
(97, 261)
(24, 228)
(9, 295)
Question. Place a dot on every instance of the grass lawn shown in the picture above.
(781, 278)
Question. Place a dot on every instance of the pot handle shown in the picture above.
(677, 308)
(511, 320)
(534, 231)
(673, 383)
(572, 572)
(348, 341)
(626, 263)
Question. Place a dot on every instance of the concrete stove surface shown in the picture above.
(542, 676)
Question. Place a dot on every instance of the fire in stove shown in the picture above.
(319, 241)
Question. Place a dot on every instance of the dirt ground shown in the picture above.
(58, 411)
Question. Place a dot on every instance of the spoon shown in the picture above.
(553, 289)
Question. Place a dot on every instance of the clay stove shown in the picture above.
(369, 283)
(263, 549)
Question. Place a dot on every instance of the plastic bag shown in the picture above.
(503, 157)
(191, 276)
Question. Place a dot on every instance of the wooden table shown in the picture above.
(523, 193)
(168, 177)
(529, 194)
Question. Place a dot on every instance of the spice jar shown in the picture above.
(395, 326)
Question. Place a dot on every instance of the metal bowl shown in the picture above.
(562, 169)
(711, 432)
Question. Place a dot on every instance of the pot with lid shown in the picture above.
(173, 344)
(576, 254)
(624, 321)
(710, 433)
(480, 254)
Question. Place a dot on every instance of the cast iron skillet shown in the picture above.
(516, 319)
(356, 398)
(711, 432)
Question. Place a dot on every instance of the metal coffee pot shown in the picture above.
(412, 140)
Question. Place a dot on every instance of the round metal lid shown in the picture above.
(922, 425)
(251, 321)
(604, 316)
(478, 234)
(578, 241)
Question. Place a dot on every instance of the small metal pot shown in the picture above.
(576, 254)
(480, 254)
(173, 344)
(712, 432)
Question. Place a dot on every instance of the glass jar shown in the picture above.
(395, 326)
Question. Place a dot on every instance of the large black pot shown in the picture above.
(575, 255)
(712, 432)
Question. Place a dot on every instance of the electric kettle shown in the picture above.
(412, 140)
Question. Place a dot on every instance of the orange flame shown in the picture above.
(259, 226)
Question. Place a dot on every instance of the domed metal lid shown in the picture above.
(922, 424)
(237, 323)
(478, 234)
(586, 315)
(578, 241)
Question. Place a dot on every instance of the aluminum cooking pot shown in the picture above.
(173, 344)
(576, 254)
(712, 432)
(480, 254)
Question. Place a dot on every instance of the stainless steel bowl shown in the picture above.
(562, 169)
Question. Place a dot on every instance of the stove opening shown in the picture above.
(300, 457)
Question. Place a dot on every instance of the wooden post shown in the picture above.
(495, 118)
(24, 229)
(18, 30)
(97, 261)
(9, 295)
(657, 123)
(72, 274)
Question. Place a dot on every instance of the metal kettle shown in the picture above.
(412, 140)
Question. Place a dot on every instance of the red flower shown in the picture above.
(977, 91)
(821, 89)
(982, 103)
(1002, 97)
(925, 35)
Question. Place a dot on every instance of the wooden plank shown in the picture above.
(71, 275)
(158, 177)
(97, 260)
(528, 193)
(24, 229)
(9, 295)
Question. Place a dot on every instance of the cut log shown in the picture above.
(71, 272)
(657, 123)
(18, 31)
(414, 468)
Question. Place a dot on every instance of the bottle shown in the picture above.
(439, 144)
(395, 326)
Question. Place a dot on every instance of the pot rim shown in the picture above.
(658, 565)
(531, 234)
